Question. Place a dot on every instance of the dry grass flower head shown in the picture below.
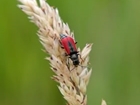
(103, 102)
(73, 83)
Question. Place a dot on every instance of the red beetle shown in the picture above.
(70, 47)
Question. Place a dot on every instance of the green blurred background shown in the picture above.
(112, 25)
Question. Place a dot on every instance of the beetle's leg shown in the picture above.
(62, 47)
(67, 61)
(75, 42)
(61, 44)
(84, 66)
(68, 64)
(81, 57)
(66, 54)
(73, 68)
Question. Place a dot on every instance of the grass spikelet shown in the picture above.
(72, 83)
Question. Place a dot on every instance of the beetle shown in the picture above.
(69, 45)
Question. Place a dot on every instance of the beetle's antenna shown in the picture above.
(84, 66)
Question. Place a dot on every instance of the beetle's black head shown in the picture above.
(74, 58)
(62, 36)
